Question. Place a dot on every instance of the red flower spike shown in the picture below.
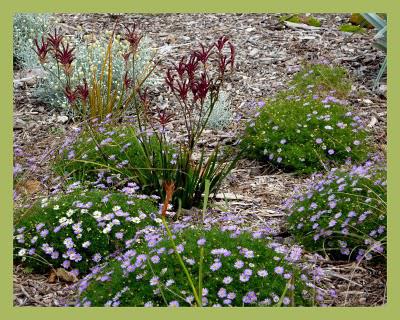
(164, 117)
(133, 37)
(203, 54)
(222, 64)
(221, 43)
(202, 88)
(183, 89)
(65, 55)
(191, 66)
(181, 67)
(126, 56)
(169, 79)
(54, 40)
(83, 91)
(127, 81)
(232, 59)
(41, 50)
(70, 94)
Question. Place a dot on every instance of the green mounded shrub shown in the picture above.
(351, 28)
(305, 133)
(81, 228)
(26, 27)
(322, 79)
(237, 271)
(342, 213)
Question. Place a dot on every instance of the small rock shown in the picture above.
(382, 89)
(62, 119)
(250, 29)
(19, 124)
(367, 101)
(253, 52)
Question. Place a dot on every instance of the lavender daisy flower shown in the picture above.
(154, 281)
(216, 266)
(227, 280)
(262, 273)
(244, 278)
(97, 257)
(155, 259)
(222, 293)
(250, 297)
(279, 270)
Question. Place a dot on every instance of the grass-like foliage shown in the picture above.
(102, 151)
(107, 155)
(79, 229)
(304, 133)
(343, 213)
(237, 270)
(27, 26)
(323, 80)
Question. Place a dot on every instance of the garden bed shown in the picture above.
(267, 53)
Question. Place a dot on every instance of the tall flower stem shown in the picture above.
(206, 194)
(196, 296)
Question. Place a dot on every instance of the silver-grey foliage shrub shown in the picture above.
(26, 27)
(221, 115)
(89, 55)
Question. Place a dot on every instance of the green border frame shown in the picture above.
(163, 6)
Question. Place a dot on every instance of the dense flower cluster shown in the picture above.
(239, 269)
(305, 133)
(81, 228)
(343, 212)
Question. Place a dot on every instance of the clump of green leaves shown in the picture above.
(305, 133)
(343, 213)
(351, 28)
(322, 79)
(237, 270)
(296, 18)
(79, 229)
(106, 154)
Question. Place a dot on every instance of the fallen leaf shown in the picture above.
(65, 275)
(52, 277)
(31, 186)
